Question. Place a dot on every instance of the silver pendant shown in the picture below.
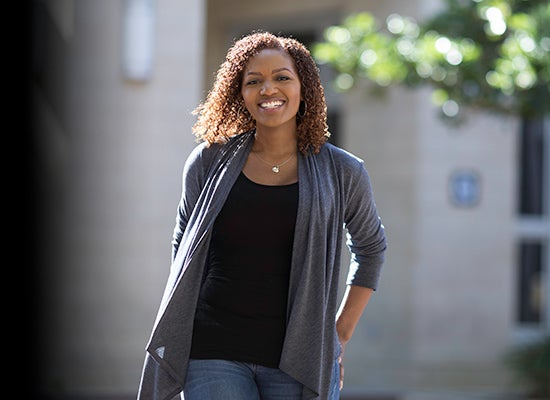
(275, 169)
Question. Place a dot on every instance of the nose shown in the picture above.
(268, 88)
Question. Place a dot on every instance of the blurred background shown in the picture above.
(460, 169)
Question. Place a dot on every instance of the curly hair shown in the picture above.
(223, 114)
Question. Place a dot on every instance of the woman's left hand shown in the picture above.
(354, 302)
(341, 364)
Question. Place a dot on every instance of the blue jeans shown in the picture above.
(234, 380)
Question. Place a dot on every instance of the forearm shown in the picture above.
(353, 304)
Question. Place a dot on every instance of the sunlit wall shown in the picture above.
(112, 122)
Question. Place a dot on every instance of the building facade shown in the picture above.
(114, 85)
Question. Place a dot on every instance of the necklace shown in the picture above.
(274, 168)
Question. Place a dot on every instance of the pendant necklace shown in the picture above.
(274, 168)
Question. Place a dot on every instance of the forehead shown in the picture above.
(270, 58)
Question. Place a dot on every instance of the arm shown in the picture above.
(353, 304)
(192, 181)
(367, 244)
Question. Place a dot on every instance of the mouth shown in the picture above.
(271, 104)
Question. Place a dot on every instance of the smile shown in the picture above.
(271, 104)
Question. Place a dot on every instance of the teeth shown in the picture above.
(271, 104)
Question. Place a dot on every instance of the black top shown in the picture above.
(241, 313)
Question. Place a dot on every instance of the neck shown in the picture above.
(275, 142)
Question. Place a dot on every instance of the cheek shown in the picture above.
(246, 98)
(298, 97)
(248, 103)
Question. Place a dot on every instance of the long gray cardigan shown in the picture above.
(335, 199)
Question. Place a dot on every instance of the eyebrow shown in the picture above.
(273, 72)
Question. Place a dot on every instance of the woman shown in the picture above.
(250, 307)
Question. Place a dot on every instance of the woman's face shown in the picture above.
(271, 88)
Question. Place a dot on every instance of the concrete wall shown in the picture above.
(112, 152)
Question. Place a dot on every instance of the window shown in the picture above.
(533, 252)
(532, 153)
(530, 283)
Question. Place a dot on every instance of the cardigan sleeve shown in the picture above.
(191, 186)
(365, 232)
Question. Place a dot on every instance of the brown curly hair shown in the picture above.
(223, 114)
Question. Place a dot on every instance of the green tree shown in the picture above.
(490, 54)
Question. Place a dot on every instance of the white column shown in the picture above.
(122, 144)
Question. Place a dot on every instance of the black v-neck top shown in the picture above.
(241, 313)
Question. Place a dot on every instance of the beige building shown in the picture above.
(114, 84)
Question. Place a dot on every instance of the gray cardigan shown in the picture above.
(335, 200)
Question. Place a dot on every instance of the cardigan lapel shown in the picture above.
(180, 295)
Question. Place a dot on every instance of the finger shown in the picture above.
(341, 375)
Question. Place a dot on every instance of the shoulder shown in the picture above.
(199, 159)
(199, 152)
(205, 154)
(339, 157)
(204, 150)
(343, 166)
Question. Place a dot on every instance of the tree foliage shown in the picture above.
(489, 54)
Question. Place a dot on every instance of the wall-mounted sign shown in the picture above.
(138, 36)
(465, 188)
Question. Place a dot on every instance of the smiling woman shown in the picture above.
(223, 114)
(271, 92)
(250, 308)
(271, 88)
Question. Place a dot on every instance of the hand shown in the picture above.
(341, 363)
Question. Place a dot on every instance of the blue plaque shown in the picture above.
(465, 188)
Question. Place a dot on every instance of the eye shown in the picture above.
(283, 78)
(251, 82)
